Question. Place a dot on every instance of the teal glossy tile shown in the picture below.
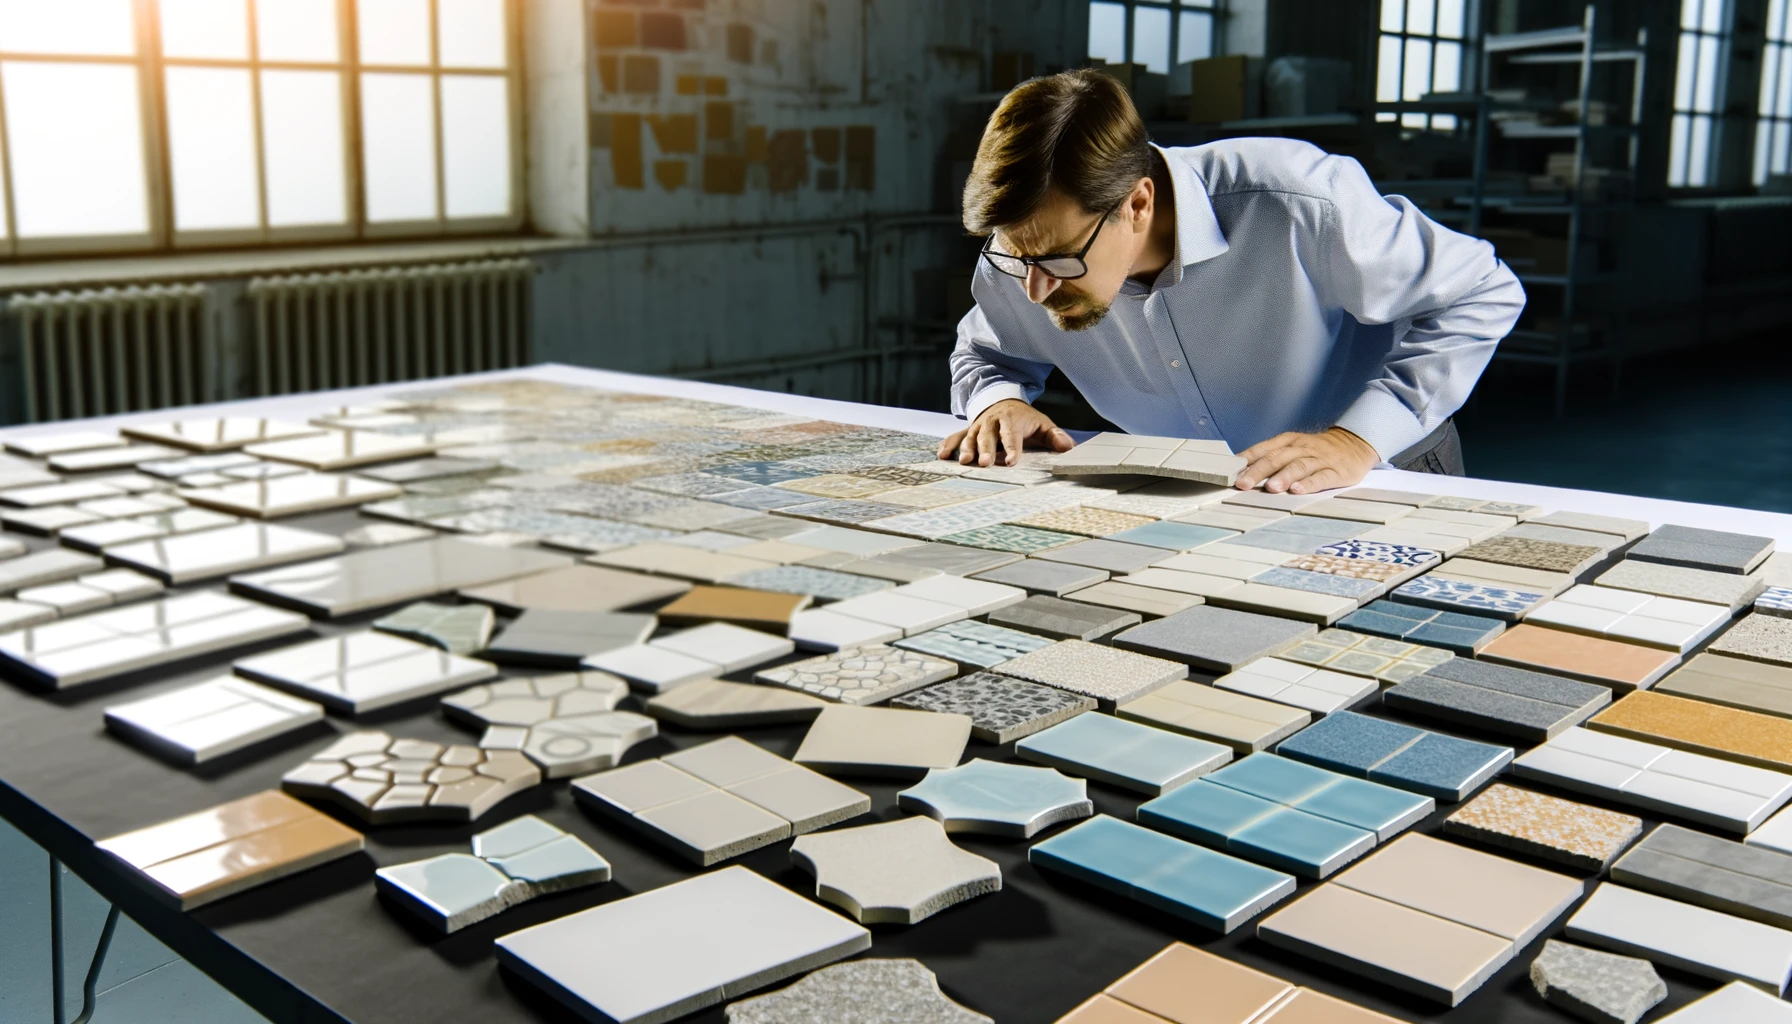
(1302, 843)
(1204, 813)
(1274, 778)
(1173, 536)
(998, 798)
(1125, 754)
(1380, 809)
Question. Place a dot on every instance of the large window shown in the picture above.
(1704, 31)
(1421, 51)
(1152, 32)
(1773, 131)
(139, 124)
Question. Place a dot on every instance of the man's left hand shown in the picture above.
(1303, 463)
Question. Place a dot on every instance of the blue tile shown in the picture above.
(1271, 539)
(1453, 638)
(1383, 810)
(1123, 753)
(1107, 852)
(1318, 582)
(1443, 766)
(1380, 551)
(1305, 844)
(1377, 623)
(1273, 778)
(1348, 742)
(1439, 592)
(1203, 812)
(1462, 620)
(1403, 611)
(1174, 536)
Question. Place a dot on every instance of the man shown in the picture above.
(1258, 291)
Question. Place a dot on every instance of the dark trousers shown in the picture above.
(1437, 452)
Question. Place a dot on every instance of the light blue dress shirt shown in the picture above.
(1299, 298)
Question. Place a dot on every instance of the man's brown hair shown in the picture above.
(1077, 130)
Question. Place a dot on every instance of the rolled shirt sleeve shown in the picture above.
(982, 374)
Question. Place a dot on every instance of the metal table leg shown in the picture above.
(93, 969)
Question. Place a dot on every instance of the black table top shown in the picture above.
(322, 946)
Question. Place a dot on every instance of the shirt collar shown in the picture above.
(1198, 234)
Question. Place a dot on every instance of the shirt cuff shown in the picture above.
(1384, 422)
(991, 394)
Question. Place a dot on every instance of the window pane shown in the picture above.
(1107, 32)
(1683, 71)
(471, 33)
(476, 145)
(1783, 106)
(1689, 12)
(398, 146)
(394, 32)
(77, 27)
(1712, 16)
(1449, 18)
(1698, 152)
(75, 136)
(1393, 15)
(1418, 69)
(1447, 76)
(1387, 70)
(207, 29)
(211, 149)
(1677, 151)
(1414, 121)
(296, 30)
(1763, 139)
(1151, 38)
(1705, 88)
(1777, 28)
(1770, 69)
(1443, 122)
(1780, 150)
(301, 134)
(1420, 16)
(1194, 37)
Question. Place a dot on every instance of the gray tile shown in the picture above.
(1683, 936)
(1001, 708)
(1100, 553)
(952, 559)
(1755, 636)
(1703, 549)
(1510, 702)
(1149, 602)
(972, 643)
(1725, 588)
(562, 639)
(1039, 577)
(1064, 620)
(1596, 986)
(1748, 881)
(1215, 639)
(714, 704)
(1111, 676)
(899, 989)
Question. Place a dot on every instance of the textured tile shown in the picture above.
(1746, 737)
(1433, 591)
(1246, 724)
(1733, 682)
(457, 629)
(1148, 602)
(843, 993)
(1388, 661)
(381, 780)
(1775, 601)
(1443, 767)
(576, 588)
(1020, 540)
(1714, 550)
(197, 859)
(1752, 881)
(860, 675)
(849, 740)
(1110, 676)
(894, 872)
(567, 724)
(1724, 588)
(1215, 639)
(1550, 556)
(1596, 986)
(674, 950)
(1090, 522)
(363, 671)
(1121, 753)
(1212, 889)
(974, 644)
(1545, 827)
(1606, 542)
(1164, 499)
(1035, 576)
(1527, 705)
(1758, 637)
(763, 609)
(1318, 690)
(1454, 631)
(1061, 619)
(1360, 510)
(1001, 709)
(1406, 534)
(1199, 461)
(197, 723)
(803, 579)
(1692, 939)
(511, 864)
(1621, 666)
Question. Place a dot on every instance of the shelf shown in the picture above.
(1599, 56)
(1311, 121)
(1560, 131)
(1564, 279)
(1572, 36)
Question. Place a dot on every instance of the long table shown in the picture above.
(322, 946)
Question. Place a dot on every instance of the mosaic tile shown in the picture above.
(380, 577)
(1123, 753)
(363, 671)
(510, 865)
(844, 511)
(838, 485)
(849, 740)
(208, 720)
(382, 780)
(576, 588)
(1713, 550)
(190, 861)
(1545, 827)
(1006, 537)
(1439, 766)
(841, 994)
(1550, 556)
(1455, 631)
(894, 872)
(1386, 573)
(1389, 661)
(1215, 639)
(860, 675)
(1463, 595)
(1692, 939)
(1605, 542)
(457, 629)
(1733, 682)
(1001, 709)
(1758, 637)
(1621, 666)
(975, 644)
(1506, 701)
(1318, 690)
(1246, 826)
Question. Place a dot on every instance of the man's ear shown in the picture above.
(1140, 204)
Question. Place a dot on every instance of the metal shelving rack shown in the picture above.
(1576, 340)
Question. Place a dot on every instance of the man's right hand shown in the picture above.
(1004, 427)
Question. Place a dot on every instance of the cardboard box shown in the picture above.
(1225, 89)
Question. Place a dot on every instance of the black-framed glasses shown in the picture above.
(1065, 266)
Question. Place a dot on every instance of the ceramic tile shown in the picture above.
(191, 861)
(862, 543)
(1474, 525)
(1713, 550)
(1408, 498)
(675, 560)
(1177, 581)
(759, 497)
(429, 469)
(127, 505)
(1647, 619)
(1752, 881)
(901, 989)
(714, 704)
(1735, 1003)
(1385, 574)
(16, 615)
(44, 445)
(895, 872)
(1388, 661)
(849, 740)
(974, 644)
(1406, 534)
(1545, 827)
(343, 448)
(1148, 602)
(1505, 701)
(1455, 631)
(1621, 666)
(679, 948)
(1320, 691)
(563, 639)
(457, 629)
(1199, 461)
(1439, 766)
(838, 485)
(379, 577)
(1493, 894)
(1101, 1008)
(1110, 676)
(1357, 509)
(780, 552)
(860, 675)
(586, 588)
(276, 497)
(1511, 577)
(894, 609)
(1283, 501)
(1001, 709)
(952, 559)
(1185, 985)
(807, 580)
(185, 558)
(510, 865)
(1215, 639)
(69, 598)
(1550, 556)
(1021, 540)
(1733, 682)
(1764, 741)
(1756, 637)
(1351, 588)
(1042, 577)
(99, 459)
(1212, 889)
(363, 671)
(93, 537)
(1238, 518)
(566, 724)
(825, 630)
(1605, 542)
(207, 720)
(1089, 522)
(762, 609)
(1776, 601)
(1433, 591)
(1246, 826)
(1060, 619)
(1164, 499)
(219, 434)
(58, 494)
(1107, 555)
(382, 780)
(111, 642)
(1689, 938)
(1513, 510)
(1212, 563)
(1246, 724)
(1123, 753)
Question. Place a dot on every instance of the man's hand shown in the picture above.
(1303, 463)
(1005, 426)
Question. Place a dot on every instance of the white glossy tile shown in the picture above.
(363, 671)
(379, 577)
(207, 720)
(291, 495)
(187, 557)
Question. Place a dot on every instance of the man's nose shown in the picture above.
(1040, 285)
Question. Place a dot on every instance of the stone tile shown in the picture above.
(1664, 622)
(207, 720)
(1109, 555)
(1694, 548)
(1122, 753)
(1318, 690)
(1061, 619)
(379, 577)
(826, 630)
(1149, 602)
(849, 740)
(1246, 724)
(1546, 827)
(1110, 676)
(895, 872)
(714, 704)
(1036, 576)
(382, 780)
(1764, 741)
(1753, 882)
(974, 644)
(900, 989)
(679, 948)
(1439, 766)
(860, 675)
(363, 671)
(1621, 666)
(1020, 540)
(511, 864)
(200, 858)
(576, 588)
(1596, 986)
(1531, 706)
(1212, 889)
(1550, 556)
(1759, 638)
(952, 559)
(1733, 682)
(1001, 709)
(1735, 1003)
(762, 609)
(457, 629)
(1679, 935)
(1215, 639)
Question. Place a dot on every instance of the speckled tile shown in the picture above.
(1454, 631)
(1124, 754)
(1020, 540)
(900, 989)
(1504, 701)
(802, 579)
(1714, 550)
(1550, 556)
(1215, 639)
(1546, 827)
(1775, 601)
(1090, 522)
(1764, 741)
(1246, 724)
(1110, 676)
(974, 644)
(1387, 573)
(1443, 767)
(1758, 637)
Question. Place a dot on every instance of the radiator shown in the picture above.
(317, 331)
(111, 350)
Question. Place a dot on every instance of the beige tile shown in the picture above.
(1307, 606)
(714, 704)
(679, 561)
(576, 588)
(894, 872)
(848, 740)
(1105, 1009)
(1190, 986)
(1244, 723)
(1493, 894)
(1147, 601)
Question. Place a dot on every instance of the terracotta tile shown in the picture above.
(1548, 827)
(763, 608)
(1764, 741)
(1619, 665)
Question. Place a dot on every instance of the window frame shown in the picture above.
(162, 234)
(1214, 9)
(1773, 124)
(1467, 68)
(1715, 116)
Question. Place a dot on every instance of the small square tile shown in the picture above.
(849, 740)
(1215, 639)
(1063, 620)
(1122, 753)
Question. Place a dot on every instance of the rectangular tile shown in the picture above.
(1122, 753)
(953, 559)
(747, 606)
(1714, 550)
(1735, 1003)
(99, 459)
(1246, 826)
(363, 671)
(51, 565)
(1443, 767)
(1511, 577)
(1109, 675)
(1361, 510)
(1493, 894)
(675, 560)
(1733, 682)
(1148, 602)
(1246, 724)
(194, 724)
(1763, 741)
(188, 557)
(1186, 985)
(1063, 620)
(1621, 666)
(1320, 691)
(342, 449)
(1215, 639)
(1689, 938)
(1665, 622)
(1266, 594)
(1002, 709)
(974, 644)
(1454, 631)
(1748, 881)
(379, 577)
(1724, 588)
(1193, 584)
(1385, 660)
(818, 629)
(1547, 827)
(576, 588)
(1382, 810)
(1509, 701)
(217, 434)
(1550, 556)
(1436, 591)
(291, 495)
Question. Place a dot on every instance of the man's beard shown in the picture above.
(1074, 312)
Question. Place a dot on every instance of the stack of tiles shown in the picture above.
(1748, 881)
(1002, 709)
(1290, 816)
(1185, 985)
(1122, 753)
(1439, 766)
(1679, 935)
(1513, 702)
(382, 780)
(198, 723)
(1742, 736)
(511, 864)
(997, 798)
(1722, 794)
(719, 800)
(1207, 462)
(1547, 827)
(1425, 916)
(1246, 724)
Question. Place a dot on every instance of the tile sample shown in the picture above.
(1194, 584)
(1546, 827)
(377, 577)
(1090, 522)
(1318, 690)
(1494, 894)
(1548, 555)
(997, 798)
(1596, 986)
(1061, 619)
(197, 859)
(290, 495)
(576, 588)
(1755, 636)
(381, 780)
(674, 950)
(1364, 569)
(45, 495)
(894, 872)
(1267, 593)
(1110, 676)
(109, 458)
(1531, 706)
(1001, 709)
(1215, 639)
(844, 993)
(1735, 1003)
(1440, 766)
(1123, 753)
(1388, 661)
(1361, 510)
(1020, 540)
(1775, 601)
(1750, 881)
(1733, 682)
(679, 561)
(1722, 794)
(1149, 602)
(556, 639)
(1381, 810)
(1207, 462)
(976, 597)
(862, 543)
(850, 740)
(1689, 938)
(103, 644)
(49, 520)
(1694, 548)
(45, 445)
(809, 581)
(429, 469)
(975, 644)
(1172, 536)
(1666, 622)
(891, 608)
(952, 559)
(567, 724)
(1436, 591)
(1453, 631)
(1283, 837)
(714, 704)
(1621, 666)
(363, 671)
(95, 536)
(1212, 889)
(654, 669)
(457, 629)
(1411, 498)
(826, 630)
(1184, 984)
(188, 557)
(341, 449)
(51, 565)
(860, 675)
(16, 615)
(1054, 579)
(1725, 588)
(219, 434)
(207, 720)
(1246, 724)
(510, 865)
(1746, 737)
(1109, 555)
(1510, 577)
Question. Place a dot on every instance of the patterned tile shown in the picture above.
(1354, 568)
(1320, 583)
(1775, 601)
(1021, 540)
(860, 675)
(1092, 522)
(901, 476)
(1439, 592)
(844, 511)
(763, 498)
(1390, 661)
(837, 485)
(1380, 551)
(1001, 708)
(1533, 554)
(803, 579)
(763, 472)
(974, 643)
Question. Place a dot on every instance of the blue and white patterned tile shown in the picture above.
(843, 510)
(1321, 583)
(1381, 551)
(763, 498)
(763, 472)
(1775, 601)
(1502, 602)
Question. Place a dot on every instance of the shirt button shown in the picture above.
(1175, 363)
(1202, 421)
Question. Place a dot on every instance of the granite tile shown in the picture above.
(1001, 709)
(1746, 737)
(1689, 938)
(1110, 676)
(1550, 556)
(1513, 702)
(901, 989)
(1122, 753)
(1148, 602)
(1215, 639)
(1090, 522)
(1733, 682)
(576, 588)
(1756, 637)
(1693, 548)
(974, 644)
(1722, 588)
(1246, 724)
(1545, 827)
(849, 740)
(1061, 619)
(197, 723)
(382, 780)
